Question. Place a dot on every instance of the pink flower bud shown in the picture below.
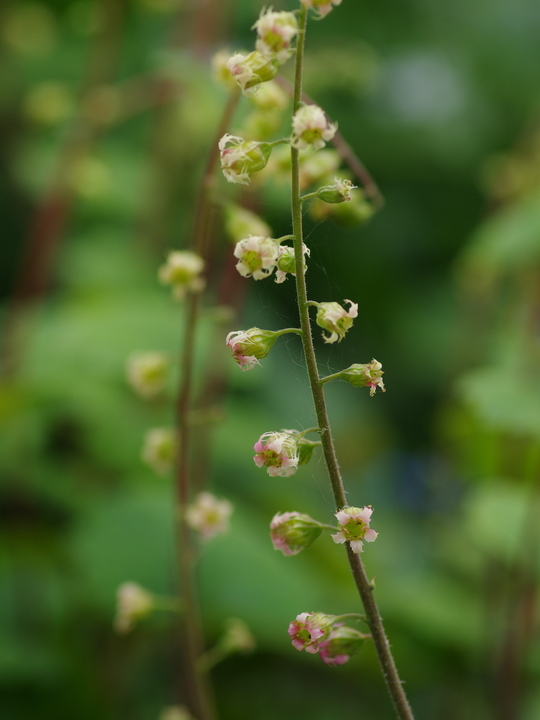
(355, 528)
(338, 192)
(323, 7)
(278, 452)
(291, 532)
(311, 128)
(309, 630)
(276, 30)
(253, 69)
(331, 316)
(250, 346)
(342, 642)
(257, 256)
(239, 158)
(367, 375)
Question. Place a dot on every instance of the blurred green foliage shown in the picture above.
(110, 108)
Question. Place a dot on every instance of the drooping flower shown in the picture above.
(250, 346)
(159, 449)
(208, 515)
(133, 603)
(276, 30)
(278, 452)
(309, 630)
(253, 69)
(355, 528)
(364, 375)
(286, 262)
(183, 272)
(323, 7)
(291, 532)
(257, 256)
(311, 128)
(342, 642)
(338, 192)
(240, 158)
(331, 316)
(147, 373)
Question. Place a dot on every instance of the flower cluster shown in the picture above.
(291, 532)
(209, 516)
(354, 527)
(331, 316)
(133, 603)
(183, 272)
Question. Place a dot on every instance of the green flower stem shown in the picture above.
(365, 589)
(195, 681)
(285, 237)
(279, 333)
(309, 430)
(329, 377)
(356, 616)
(309, 195)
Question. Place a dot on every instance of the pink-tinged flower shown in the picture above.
(183, 272)
(286, 262)
(209, 516)
(291, 532)
(323, 7)
(133, 603)
(311, 128)
(355, 528)
(240, 158)
(342, 642)
(309, 630)
(257, 256)
(276, 30)
(278, 452)
(250, 346)
(253, 69)
(331, 316)
(364, 375)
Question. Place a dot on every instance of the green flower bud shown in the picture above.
(291, 532)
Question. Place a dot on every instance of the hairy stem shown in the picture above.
(365, 588)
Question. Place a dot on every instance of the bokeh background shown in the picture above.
(108, 110)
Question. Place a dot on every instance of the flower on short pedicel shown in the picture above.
(159, 449)
(147, 373)
(133, 603)
(278, 452)
(365, 375)
(355, 528)
(323, 7)
(342, 642)
(286, 262)
(309, 630)
(338, 192)
(257, 256)
(291, 532)
(250, 346)
(183, 272)
(311, 128)
(253, 69)
(208, 515)
(239, 158)
(331, 316)
(276, 30)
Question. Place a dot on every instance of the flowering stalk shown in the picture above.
(364, 586)
(201, 700)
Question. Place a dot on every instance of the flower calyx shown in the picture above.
(333, 318)
(250, 346)
(342, 642)
(361, 375)
(239, 158)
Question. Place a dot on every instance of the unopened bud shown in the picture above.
(291, 532)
